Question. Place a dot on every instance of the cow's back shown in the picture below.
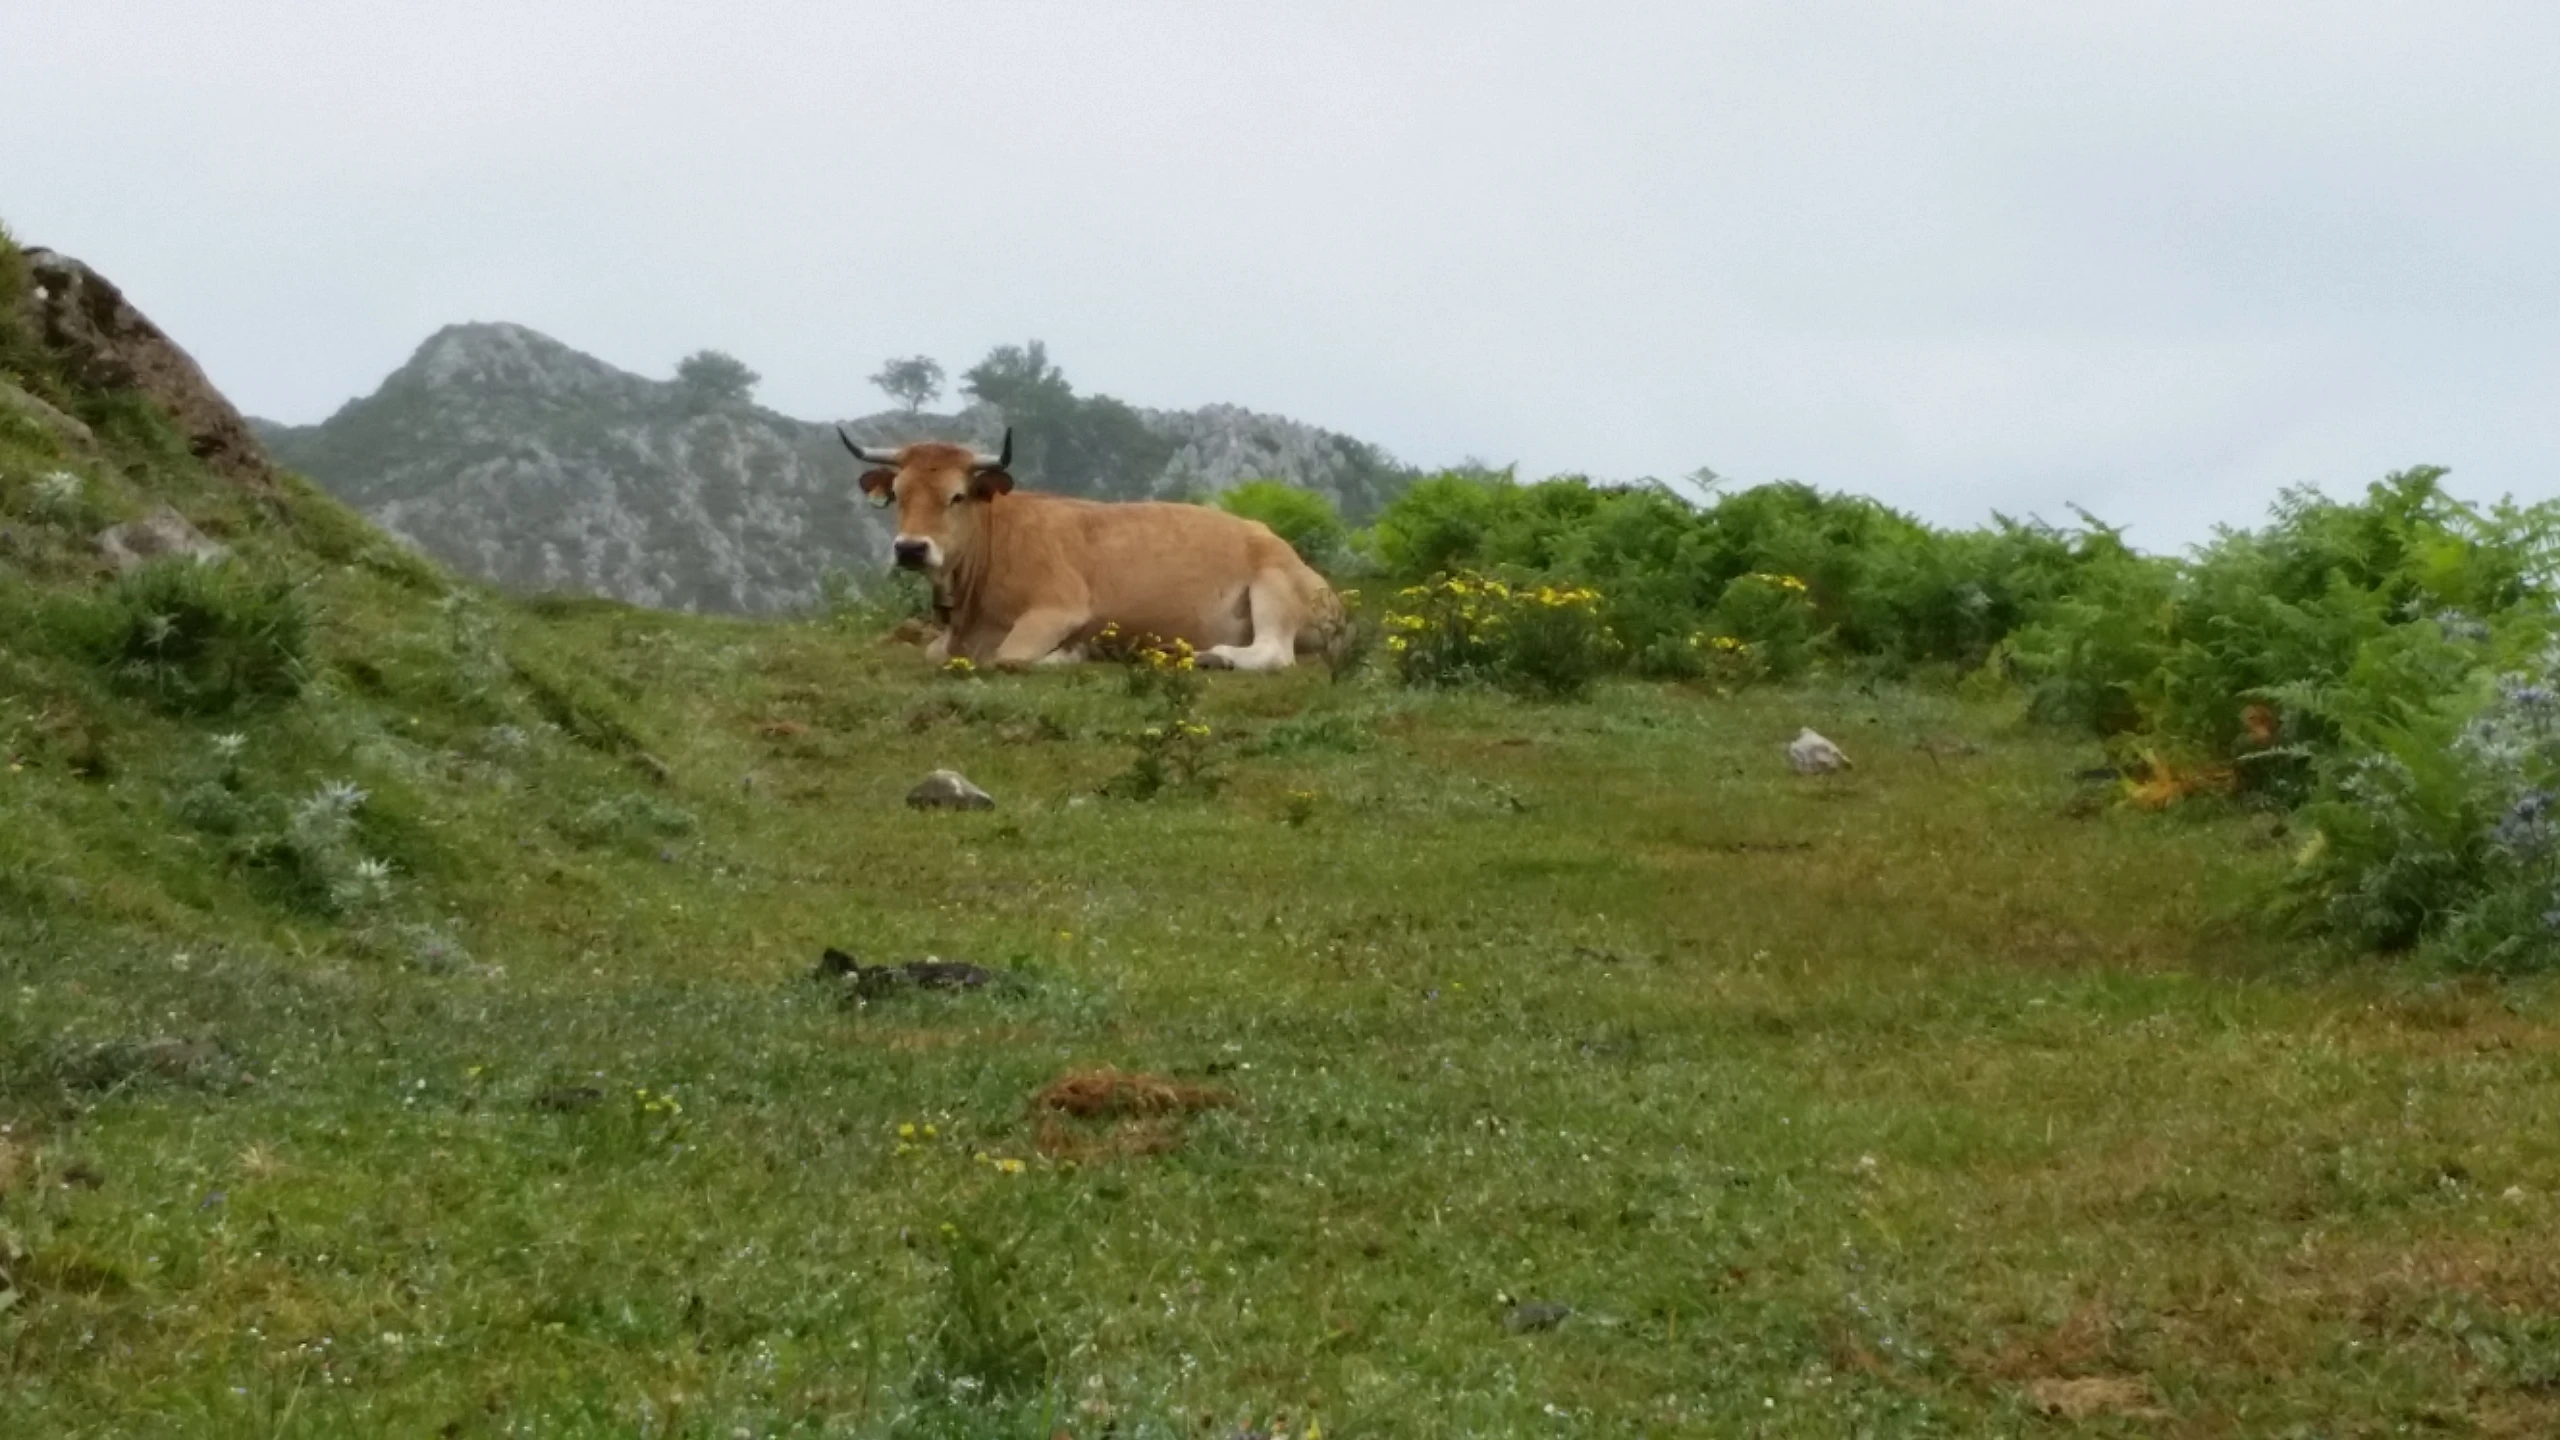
(1151, 567)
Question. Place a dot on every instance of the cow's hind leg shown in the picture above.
(1277, 616)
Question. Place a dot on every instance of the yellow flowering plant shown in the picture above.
(1175, 748)
(1463, 629)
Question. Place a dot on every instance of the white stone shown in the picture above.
(949, 790)
(1810, 754)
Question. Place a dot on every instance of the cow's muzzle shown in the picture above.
(912, 554)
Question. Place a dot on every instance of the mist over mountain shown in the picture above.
(521, 461)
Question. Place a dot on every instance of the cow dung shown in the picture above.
(865, 982)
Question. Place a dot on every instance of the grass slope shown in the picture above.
(1915, 1101)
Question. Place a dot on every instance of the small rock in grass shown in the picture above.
(1535, 1315)
(1810, 754)
(162, 534)
(17, 403)
(949, 790)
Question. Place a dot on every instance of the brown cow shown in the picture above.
(1022, 578)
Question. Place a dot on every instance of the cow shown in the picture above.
(1022, 578)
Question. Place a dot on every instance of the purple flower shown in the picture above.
(2526, 828)
(2525, 695)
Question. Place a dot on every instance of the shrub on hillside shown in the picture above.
(2432, 799)
(1876, 584)
(1302, 517)
(1772, 618)
(2298, 615)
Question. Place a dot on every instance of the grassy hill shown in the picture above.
(407, 1026)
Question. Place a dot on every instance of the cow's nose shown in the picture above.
(911, 554)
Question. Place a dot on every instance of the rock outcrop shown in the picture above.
(105, 345)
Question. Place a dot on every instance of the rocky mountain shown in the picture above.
(1220, 446)
(515, 459)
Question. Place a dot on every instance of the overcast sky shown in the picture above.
(2157, 260)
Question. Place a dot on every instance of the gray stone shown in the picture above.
(1535, 1315)
(949, 790)
(157, 536)
(1810, 754)
(18, 404)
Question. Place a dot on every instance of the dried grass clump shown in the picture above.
(1106, 1114)
(1093, 1094)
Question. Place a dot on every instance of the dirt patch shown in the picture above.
(2086, 1397)
(1104, 1114)
(2083, 1342)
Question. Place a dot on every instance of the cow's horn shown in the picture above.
(864, 453)
(1004, 457)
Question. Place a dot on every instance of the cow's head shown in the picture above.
(940, 490)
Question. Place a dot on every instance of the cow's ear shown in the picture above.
(988, 484)
(876, 483)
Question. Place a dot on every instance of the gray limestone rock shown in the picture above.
(949, 790)
(160, 535)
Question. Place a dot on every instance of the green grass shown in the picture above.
(1877, 1104)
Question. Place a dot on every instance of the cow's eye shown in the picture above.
(961, 498)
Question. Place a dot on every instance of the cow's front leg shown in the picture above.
(1036, 637)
